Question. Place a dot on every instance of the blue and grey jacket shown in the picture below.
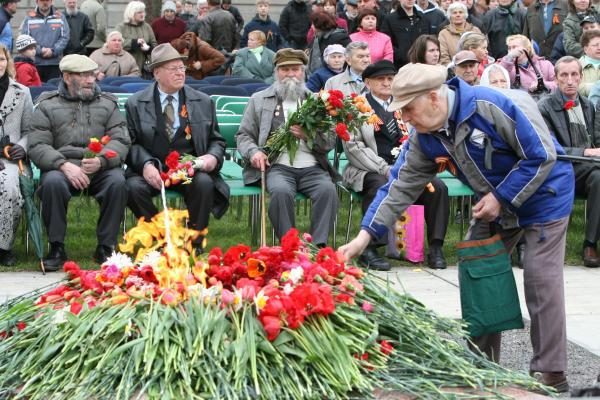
(499, 145)
(50, 31)
(6, 35)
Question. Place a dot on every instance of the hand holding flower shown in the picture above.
(76, 176)
(91, 165)
(298, 132)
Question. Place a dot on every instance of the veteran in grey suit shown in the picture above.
(310, 172)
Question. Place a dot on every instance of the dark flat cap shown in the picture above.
(380, 68)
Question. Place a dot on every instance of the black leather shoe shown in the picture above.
(590, 257)
(520, 254)
(56, 257)
(556, 380)
(102, 253)
(7, 258)
(371, 260)
(435, 258)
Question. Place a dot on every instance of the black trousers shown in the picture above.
(107, 187)
(437, 204)
(199, 198)
(587, 183)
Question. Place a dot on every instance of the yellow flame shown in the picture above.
(177, 261)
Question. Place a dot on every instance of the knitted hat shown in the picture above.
(168, 5)
(24, 41)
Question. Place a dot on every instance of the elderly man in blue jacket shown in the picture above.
(502, 149)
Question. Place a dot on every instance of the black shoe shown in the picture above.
(556, 380)
(7, 258)
(435, 258)
(371, 260)
(56, 257)
(102, 253)
(520, 254)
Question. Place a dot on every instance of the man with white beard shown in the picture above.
(310, 173)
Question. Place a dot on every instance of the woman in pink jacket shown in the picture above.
(380, 44)
(524, 75)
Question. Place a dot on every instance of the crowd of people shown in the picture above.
(492, 91)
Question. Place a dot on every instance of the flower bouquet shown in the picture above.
(95, 147)
(323, 113)
(181, 169)
(281, 322)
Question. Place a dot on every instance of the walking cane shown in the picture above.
(575, 159)
(263, 211)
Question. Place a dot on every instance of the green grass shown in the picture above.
(233, 229)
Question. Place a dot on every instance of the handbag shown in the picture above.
(406, 237)
(541, 87)
(146, 70)
(488, 292)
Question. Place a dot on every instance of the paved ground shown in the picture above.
(439, 291)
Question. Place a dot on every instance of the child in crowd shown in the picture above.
(27, 73)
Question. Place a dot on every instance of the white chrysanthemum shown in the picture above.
(260, 301)
(324, 95)
(287, 289)
(238, 299)
(119, 260)
(151, 258)
(59, 316)
(296, 275)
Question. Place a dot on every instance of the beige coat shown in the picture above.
(591, 75)
(122, 64)
(361, 151)
(449, 38)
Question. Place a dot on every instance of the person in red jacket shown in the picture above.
(27, 73)
(169, 26)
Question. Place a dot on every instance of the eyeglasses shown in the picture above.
(88, 74)
(176, 69)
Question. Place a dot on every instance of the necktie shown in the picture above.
(169, 114)
(385, 105)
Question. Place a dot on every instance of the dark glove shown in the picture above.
(16, 152)
(1, 165)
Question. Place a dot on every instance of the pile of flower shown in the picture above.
(288, 321)
(322, 114)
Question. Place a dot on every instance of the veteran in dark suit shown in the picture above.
(167, 116)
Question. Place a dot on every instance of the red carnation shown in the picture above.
(272, 326)
(386, 347)
(105, 139)
(337, 94)
(110, 154)
(569, 104)
(75, 307)
(336, 102)
(172, 160)
(290, 243)
(95, 147)
(342, 131)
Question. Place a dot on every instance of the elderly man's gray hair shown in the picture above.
(356, 46)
